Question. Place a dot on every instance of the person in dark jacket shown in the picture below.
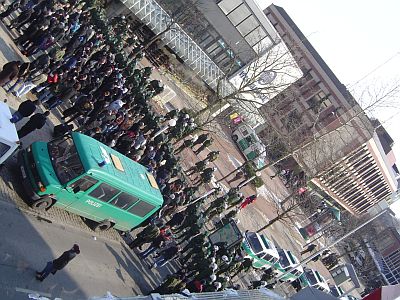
(12, 7)
(66, 94)
(37, 121)
(165, 256)
(81, 107)
(22, 75)
(9, 72)
(310, 248)
(25, 109)
(58, 263)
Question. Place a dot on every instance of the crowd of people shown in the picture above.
(202, 266)
(72, 69)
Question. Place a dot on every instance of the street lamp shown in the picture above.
(170, 123)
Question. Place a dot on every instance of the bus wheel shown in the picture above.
(43, 203)
(235, 137)
(102, 226)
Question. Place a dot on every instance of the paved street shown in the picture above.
(103, 265)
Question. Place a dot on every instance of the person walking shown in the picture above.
(310, 249)
(200, 140)
(22, 75)
(206, 143)
(9, 72)
(165, 256)
(58, 263)
(239, 175)
(247, 201)
(25, 109)
(186, 144)
(30, 84)
(213, 155)
(205, 176)
(37, 121)
(148, 234)
(198, 167)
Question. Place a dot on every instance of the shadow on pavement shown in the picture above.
(7, 50)
(133, 266)
(22, 252)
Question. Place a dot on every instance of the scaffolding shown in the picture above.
(159, 21)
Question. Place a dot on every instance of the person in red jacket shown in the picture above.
(248, 201)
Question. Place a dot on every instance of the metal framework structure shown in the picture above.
(159, 21)
(257, 294)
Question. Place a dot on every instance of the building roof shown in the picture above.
(352, 275)
(340, 86)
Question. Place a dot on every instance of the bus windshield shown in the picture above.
(254, 242)
(283, 260)
(65, 159)
(311, 277)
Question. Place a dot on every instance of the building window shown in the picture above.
(247, 26)
(254, 37)
(319, 102)
(228, 5)
(239, 14)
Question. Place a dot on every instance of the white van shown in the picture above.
(9, 141)
(250, 144)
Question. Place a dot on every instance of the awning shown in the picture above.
(388, 292)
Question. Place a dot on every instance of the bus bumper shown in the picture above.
(26, 183)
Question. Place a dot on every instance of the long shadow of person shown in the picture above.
(135, 270)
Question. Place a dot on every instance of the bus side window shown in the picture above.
(141, 208)
(83, 183)
(104, 192)
(124, 200)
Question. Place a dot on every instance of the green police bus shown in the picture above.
(313, 279)
(287, 261)
(83, 176)
(260, 250)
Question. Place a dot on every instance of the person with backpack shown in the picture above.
(25, 109)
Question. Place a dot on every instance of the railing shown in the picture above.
(159, 21)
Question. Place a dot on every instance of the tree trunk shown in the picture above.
(277, 218)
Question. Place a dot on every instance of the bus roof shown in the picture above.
(124, 172)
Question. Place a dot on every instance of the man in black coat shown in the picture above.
(58, 263)
(37, 121)
(25, 109)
